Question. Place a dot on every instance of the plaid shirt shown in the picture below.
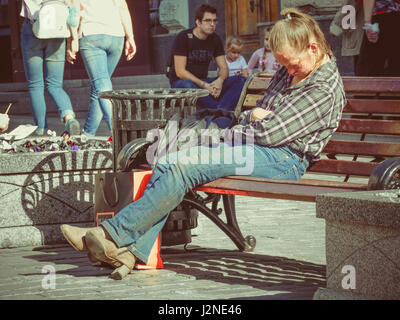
(304, 116)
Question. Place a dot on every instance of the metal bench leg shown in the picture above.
(231, 227)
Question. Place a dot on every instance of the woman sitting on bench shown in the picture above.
(289, 128)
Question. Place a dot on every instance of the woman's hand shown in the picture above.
(130, 48)
(372, 36)
(72, 49)
(259, 114)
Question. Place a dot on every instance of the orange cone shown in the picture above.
(154, 261)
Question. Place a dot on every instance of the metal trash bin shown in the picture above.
(135, 111)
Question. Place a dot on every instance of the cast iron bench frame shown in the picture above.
(370, 102)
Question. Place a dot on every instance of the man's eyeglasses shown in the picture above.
(209, 21)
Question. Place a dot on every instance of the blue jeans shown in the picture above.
(100, 54)
(138, 224)
(230, 93)
(46, 55)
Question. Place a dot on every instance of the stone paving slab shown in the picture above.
(287, 263)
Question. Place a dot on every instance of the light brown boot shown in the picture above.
(128, 259)
(76, 236)
(102, 248)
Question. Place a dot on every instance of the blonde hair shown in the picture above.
(233, 41)
(297, 29)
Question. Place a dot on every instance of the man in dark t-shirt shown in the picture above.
(192, 51)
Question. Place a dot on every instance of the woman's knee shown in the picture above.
(36, 85)
(54, 89)
(101, 84)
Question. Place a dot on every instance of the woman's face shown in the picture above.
(300, 65)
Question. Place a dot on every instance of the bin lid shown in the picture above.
(160, 93)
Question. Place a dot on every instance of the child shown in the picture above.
(262, 58)
(236, 63)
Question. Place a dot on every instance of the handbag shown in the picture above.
(113, 192)
(51, 22)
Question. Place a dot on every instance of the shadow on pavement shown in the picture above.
(259, 271)
(280, 277)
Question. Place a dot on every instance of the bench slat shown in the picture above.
(366, 148)
(369, 126)
(251, 100)
(343, 167)
(372, 106)
(384, 85)
(303, 190)
(353, 105)
(369, 85)
(259, 84)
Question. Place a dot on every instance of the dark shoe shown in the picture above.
(73, 127)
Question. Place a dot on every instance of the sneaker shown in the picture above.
(73, 127)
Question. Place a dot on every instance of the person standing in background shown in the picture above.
(105, 31)
(44, 61)
(351, 38)
(380, 47)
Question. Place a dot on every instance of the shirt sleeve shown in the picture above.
(219, 47)
(180, 47)
(253, 61)
(302, 114)
(243, 62)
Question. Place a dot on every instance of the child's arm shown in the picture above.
(244, 71)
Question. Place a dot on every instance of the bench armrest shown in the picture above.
(386, 175)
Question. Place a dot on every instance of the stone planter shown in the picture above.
(40, 191)
(362, 244)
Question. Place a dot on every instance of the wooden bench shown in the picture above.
(361, 156)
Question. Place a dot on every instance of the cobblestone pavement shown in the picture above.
(287, 263)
